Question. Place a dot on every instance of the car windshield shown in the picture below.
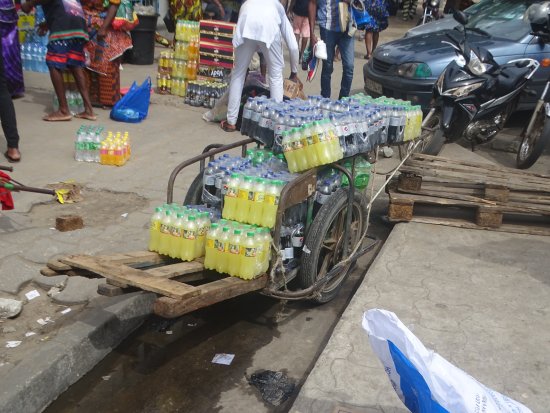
(502, 18)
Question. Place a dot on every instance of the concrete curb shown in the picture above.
(38, 380)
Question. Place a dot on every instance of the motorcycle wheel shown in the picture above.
(533, 145)
(432, 141)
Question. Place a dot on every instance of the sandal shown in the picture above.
(227, 127)
(86, 116)
(11, 159)
(367, 57)
(57, 117)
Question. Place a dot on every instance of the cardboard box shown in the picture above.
(211, 60)
(217, 38)
(292, 90)
(216, 50)
(212, 73)
(217, 26)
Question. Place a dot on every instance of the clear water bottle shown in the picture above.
(78, 144)
(247, 114)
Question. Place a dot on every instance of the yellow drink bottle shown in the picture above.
(154, 230)
(288, 151)
(230, 200)
(234, 256)
(260, 250)
(248, 257)
(267, 249)
(257, 206)
(333, 141)
(164, 238)
(175, 238)
(223, 251)
(243, 205)
(271, 203)
(322, 146)
(189, 238)
(211, 251)
(203, 225)
(301, 159)
(312, 141)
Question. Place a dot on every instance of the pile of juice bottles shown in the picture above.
(179, 231)
(239, 250)
(311, 145)
(115, 149)
(87, 143)
(202, 93)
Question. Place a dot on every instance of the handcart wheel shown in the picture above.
(325, 240)
(194, 193)
(432, 140)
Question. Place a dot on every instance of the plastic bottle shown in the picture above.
(248, 257)
(154, 230)
(223, 250)
(234, 256)
(189, 239)
(271, 203)
(209, 179)
(164, 238)
(211, 255)
(266, 250)
(247, 113)
(231, 197)
(176, 229)
(257, 205)
(243, 202)
(203, 224)
(309, 145)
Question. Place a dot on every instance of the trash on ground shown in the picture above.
(30, 333)
(10, 308)
(31, 295)
(53, 291)
(125, 215)
(66, 310)
(105, 377)
(275, 386)
(67, 192)
(44, 321)
(223, 358)
(424, 380)
(12, 344)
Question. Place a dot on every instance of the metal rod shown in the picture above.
(14, 187)
(198, 158)
(6, 168)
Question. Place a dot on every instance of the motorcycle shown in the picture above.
(536, 135)
(431, 11)
(474, 95)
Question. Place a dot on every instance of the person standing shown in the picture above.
(13, 70)
(325, 12)
(7, 116)
(378, 10)
(68, 36)
(262, 26)
(409, 9)
(300, 22)
(105, 48)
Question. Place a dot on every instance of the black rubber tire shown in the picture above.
(194, 193)
(433, 141)
(537, 141)
(334, 207)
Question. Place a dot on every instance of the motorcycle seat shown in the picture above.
(510, 77)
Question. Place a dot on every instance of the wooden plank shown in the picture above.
(462, 223)
(56, 265)
(210, 293)
(175, 270)
(48, 272)
(137, 278)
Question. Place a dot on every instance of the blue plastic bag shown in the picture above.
(134, 105)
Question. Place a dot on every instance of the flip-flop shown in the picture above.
(227, 127)
(65, 118)
(10, 159)
(85, 116)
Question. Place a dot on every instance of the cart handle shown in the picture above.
(207, 153)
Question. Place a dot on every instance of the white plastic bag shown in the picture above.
(424, 381)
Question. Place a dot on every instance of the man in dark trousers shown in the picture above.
(325, 12)
(7, 117)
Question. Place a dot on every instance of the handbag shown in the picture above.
(343, 14)
(360, 14)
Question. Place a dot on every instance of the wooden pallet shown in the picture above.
(157, 273)
(441, 191)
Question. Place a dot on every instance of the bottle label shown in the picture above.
(176, 232)
(234, 249)
(287, 146)
(297, 144)
(209, 180)
(250, 196)
(297, 242)
(201, 231)
(189, 234)
(272, 199)
(243, 194)
(221, 246)
(231, 192)
(165, 229)
(210, 243)
(264, 123)
(250, 252)
(259, 197)
(246, 113)
(288, 253)
(155, 226)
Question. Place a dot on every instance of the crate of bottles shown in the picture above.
(203, 93)
(91, 145)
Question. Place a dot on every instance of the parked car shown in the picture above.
(408, 68)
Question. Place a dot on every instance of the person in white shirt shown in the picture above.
(262, 26)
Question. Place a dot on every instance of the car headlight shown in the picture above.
(476, 66)
(415, 70)
(462, 90)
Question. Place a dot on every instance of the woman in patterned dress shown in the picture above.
(378, 10)
(11, 50)
(105, 50)
(186, 9)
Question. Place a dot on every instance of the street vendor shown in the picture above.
(262, 26)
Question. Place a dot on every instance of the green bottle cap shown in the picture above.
(234, 175)
(225, 229)
(179, 216)
(168, 213)
(158, 209)
(214, 225)
(250, 234)
(248, 179)
(191, 217)
(280, 156)
(237, 232)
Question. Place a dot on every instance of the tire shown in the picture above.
(331, 220)
(194, 193)
(433, 141)
(532, 146)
